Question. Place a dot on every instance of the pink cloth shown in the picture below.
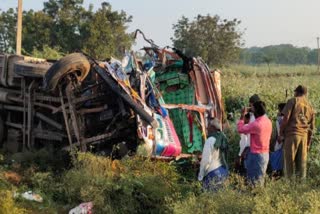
(260, 132)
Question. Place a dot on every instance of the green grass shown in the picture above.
(275, 70)
(137, 185)
(237, 89)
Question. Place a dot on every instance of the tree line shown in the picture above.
(65, 26)
(279, 54)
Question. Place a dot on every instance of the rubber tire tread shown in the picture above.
(68, 64)
(29, 69)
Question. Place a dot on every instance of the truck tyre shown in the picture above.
(75, 63)
(30, 69)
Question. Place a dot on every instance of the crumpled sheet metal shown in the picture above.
(192, 96)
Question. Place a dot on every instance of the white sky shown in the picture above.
(267, 22)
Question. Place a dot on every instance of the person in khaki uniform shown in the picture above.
(297, 127)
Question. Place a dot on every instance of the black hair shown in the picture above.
(259, 108)
(247, 116)
(281, 106)
(254, 98)
(301, 90)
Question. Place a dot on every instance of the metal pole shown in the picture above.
(318, 54)
(19, 28)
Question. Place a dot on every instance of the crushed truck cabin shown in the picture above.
(156, 105)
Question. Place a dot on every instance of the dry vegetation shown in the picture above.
(136, 185)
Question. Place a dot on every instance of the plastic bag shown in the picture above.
(83, 208)
(32, 196)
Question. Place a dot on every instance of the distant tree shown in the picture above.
(8, 22)
(67, 16)
(245, 56)
(268, 59)
(106, 34)
(313, 56)
(37, 31)
(280, 54)
(67, 26)
(217, 41)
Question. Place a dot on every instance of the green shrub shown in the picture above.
(280, 196)
(48, 53)
(132, 185)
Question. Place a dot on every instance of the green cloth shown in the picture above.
(221, 144)
(182, 94)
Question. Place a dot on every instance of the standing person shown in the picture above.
(244, 148)
(276, 157)
(278, 145)
(260, 133)
(254, 98)
(297, 127)
(213, 168)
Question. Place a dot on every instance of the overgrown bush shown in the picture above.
(48, 53)
(129, 186)
(8, 205)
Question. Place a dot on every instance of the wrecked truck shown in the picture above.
(157, 105)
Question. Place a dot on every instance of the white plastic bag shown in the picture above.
(83, 208)
(29, 195)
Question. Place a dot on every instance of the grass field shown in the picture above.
(136, 185)
(240, 82)
(273, 70)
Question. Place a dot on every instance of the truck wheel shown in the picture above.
(76, 64)
(29, 69)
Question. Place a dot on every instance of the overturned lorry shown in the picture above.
(157, 105)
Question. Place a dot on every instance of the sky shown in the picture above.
(267, 22)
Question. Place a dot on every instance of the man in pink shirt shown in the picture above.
(260, 133)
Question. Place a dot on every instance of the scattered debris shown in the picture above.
(12, 177)
(29, 195)
(84, 208)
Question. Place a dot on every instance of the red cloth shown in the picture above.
(260, 131)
